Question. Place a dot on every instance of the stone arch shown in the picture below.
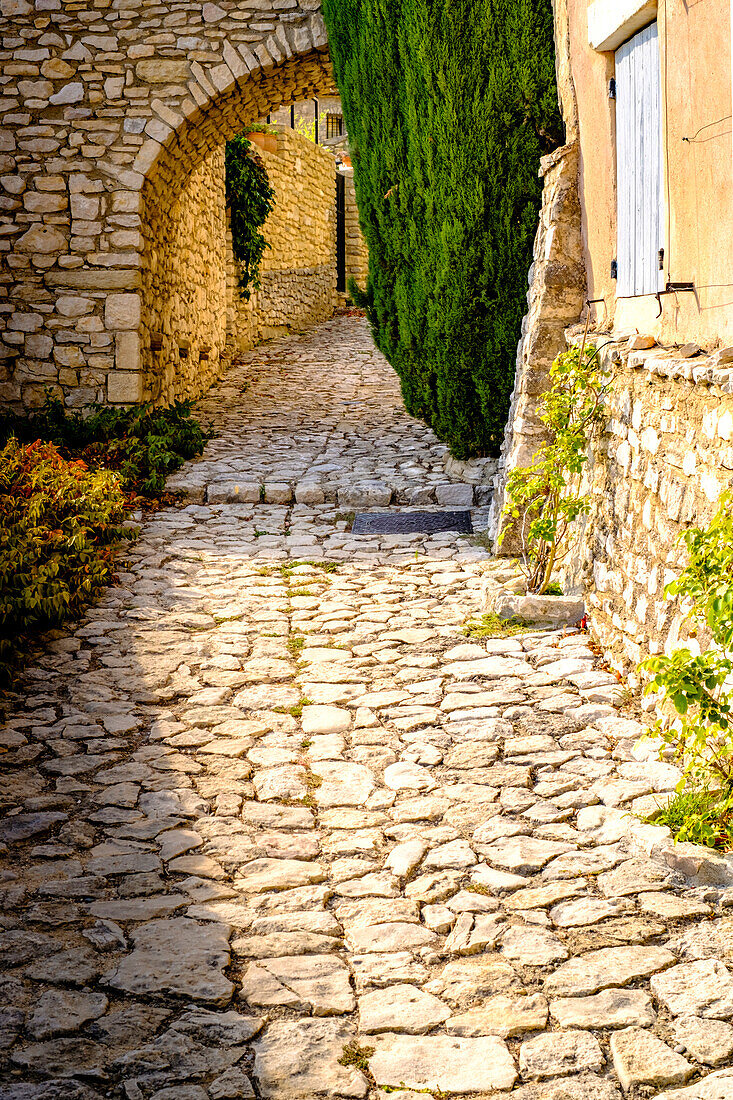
(101, 109)
(183, 296)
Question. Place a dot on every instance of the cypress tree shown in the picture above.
(449, 105)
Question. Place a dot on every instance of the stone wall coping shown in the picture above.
(551, 160)
(711, 369)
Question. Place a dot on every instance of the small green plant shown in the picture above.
(699, 817)
(296, 711)
(251, 200)
(295, 643)
(491, 626)
(542, 500)
(695, 687)
(357, 1056)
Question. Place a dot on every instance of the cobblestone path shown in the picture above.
(275, 827)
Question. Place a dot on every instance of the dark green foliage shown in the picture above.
(449, 105)
(59, 523)
(250, 199)
(142, 444)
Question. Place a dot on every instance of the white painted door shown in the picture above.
(639, 165)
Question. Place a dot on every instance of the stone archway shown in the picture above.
(111, 117)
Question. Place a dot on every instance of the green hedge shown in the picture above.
(142, 444)
(449, 105)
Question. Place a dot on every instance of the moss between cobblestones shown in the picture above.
(491, 626)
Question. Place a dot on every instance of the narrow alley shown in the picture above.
(275, 826)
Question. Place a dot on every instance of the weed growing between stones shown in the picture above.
(694, 688)
(357, 1056)
(491, 626)
(700, 817)
(296, 711)
(542, 499)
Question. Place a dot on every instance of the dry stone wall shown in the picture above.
(183, 329)
(106, 114)
(555, 300)
(357, 254)
(298, 270)
(659, 466)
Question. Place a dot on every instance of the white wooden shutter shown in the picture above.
(639, 166)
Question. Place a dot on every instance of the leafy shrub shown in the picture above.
(696, 688)
(143, 444)
(449, 105)
(541, 501)
(251, 200)
(59, 523)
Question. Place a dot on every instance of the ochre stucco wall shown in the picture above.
(696, 71)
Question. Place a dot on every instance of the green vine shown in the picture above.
(250, 199)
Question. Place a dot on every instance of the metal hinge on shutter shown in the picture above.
(612, 88)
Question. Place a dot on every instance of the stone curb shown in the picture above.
(228, 490)
(507, 603)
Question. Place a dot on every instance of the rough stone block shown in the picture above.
(309, 492)
(127, 351)
(364, 494)
(454, 495)
(122, 311)
(232, 492)
(278, 492)
(124, 388)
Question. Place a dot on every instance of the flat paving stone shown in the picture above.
(177, 956)
(639, 1058)
(610, 1009)
(702, 988)
(300, 1059)
(401, 1008)
(559, 1052)
(442, 1062)
(709, 1041)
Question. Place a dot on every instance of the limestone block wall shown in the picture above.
(658, 467)
(357, 254)
(184, 287)
(298, 270)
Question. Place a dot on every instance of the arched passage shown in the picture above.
(185, 262)
(105, 122)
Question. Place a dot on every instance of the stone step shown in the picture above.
(350, 495)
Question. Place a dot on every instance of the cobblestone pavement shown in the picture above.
(275, 827)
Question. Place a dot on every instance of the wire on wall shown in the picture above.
(707, 126)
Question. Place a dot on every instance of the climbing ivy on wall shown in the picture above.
(449, 105)
(250, 199)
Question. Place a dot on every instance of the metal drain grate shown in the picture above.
(410, 523)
